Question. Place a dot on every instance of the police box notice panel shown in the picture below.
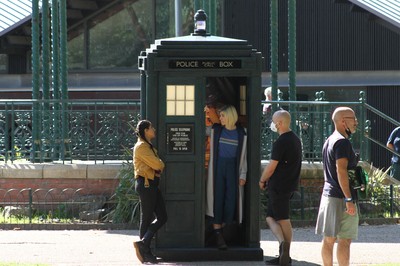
(213, 64)
(180, 138)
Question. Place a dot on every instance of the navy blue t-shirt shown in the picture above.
(394, 139)
(336, 147)
(287, 151)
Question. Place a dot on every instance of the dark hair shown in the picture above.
(141, 126)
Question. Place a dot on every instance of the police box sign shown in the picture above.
(180, 138)
(193, 64)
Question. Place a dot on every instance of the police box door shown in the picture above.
(181, 134)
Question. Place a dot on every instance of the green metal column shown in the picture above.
(206, 8)
(364, 126)
(35, 80)
(64, 78)
(213, 18)
(274, 50)
(45, 50)
(197, 5)
(55, 75)
(46, 138)
(292, 56)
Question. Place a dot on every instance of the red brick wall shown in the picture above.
(16, 189)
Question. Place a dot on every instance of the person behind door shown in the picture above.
(148, 168)
(393, 143)
(227, 172)
(338, 215)
(267, 107)
(281, 178)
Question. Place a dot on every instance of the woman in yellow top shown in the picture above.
(148, 168)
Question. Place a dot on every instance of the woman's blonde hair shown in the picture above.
(230, 114)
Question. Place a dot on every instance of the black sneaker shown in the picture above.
(284, 254)
(221, 242)
(275, 261)
(140, 250)
(150, 258)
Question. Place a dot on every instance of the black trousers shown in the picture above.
(153, 214)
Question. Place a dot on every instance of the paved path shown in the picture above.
(376, 245)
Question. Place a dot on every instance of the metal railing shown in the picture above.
(52, 206)
(74, 206)
(312, 122)
(97, 130)
(304, 205)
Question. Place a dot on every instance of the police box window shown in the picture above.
(180, 100)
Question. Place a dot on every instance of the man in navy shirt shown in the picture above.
(281, 177)
(393, 143)
(338, 214)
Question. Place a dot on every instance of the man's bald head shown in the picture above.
(282, 116)
(340, 113)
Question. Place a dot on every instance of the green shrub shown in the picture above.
(127, 209)
(377, 191)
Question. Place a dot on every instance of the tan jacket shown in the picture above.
(145, 162)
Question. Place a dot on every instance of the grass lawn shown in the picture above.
(21, 264)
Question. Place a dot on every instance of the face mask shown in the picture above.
(273, 127)
(348, 132)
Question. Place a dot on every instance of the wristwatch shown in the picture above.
(348, 199)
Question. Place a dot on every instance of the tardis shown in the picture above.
(179, 77)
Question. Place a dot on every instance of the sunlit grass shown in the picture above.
(22, 264)
(35, 220)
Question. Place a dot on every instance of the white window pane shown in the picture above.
(189, 107)
(180, 108)
(170, 107)
(180, 92)
(170, 92)
(190, 92)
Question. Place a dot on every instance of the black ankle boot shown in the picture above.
(220, 241)
(149, 257)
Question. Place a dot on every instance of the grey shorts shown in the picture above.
(333, 221)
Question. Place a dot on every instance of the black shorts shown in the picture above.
(279, 205)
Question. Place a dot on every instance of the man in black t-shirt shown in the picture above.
(281, 177)
(338, 214)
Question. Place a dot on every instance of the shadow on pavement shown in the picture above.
(294, 262)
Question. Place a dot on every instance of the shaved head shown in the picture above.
(341, 112)
(282, 116)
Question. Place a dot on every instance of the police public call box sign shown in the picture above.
(180, 138)
(204, 64)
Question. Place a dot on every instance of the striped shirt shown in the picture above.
(228, 143)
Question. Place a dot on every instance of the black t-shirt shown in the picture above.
(336, 147)
(287, 151)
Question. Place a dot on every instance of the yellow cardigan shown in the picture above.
(145, 161)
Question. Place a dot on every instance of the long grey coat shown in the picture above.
(242, 170)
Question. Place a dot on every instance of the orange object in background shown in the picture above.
(211, 118)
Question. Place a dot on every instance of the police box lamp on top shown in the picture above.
(200, 24)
